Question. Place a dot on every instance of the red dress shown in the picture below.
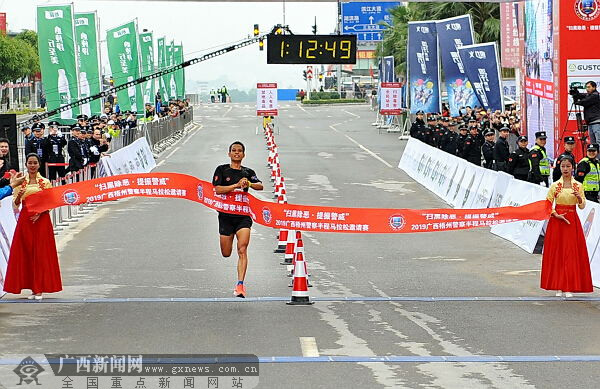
(565, 261)
(33, 261)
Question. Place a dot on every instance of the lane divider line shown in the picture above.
(372, 154)
(309, 347)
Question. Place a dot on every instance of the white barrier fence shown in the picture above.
(132, 159)
(464, 185)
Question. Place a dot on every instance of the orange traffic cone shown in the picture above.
(299, 252)
(282, 243)
(290, 248)
(300, 291)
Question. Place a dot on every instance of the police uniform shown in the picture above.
(428, 132)
(518, 162)
(438, 135)
(488, 152)
(501, 152)
(54, 147)
(449, 139)
(417, 129)
(556, 173)
(76, 157)
(460, 144)
(36, 146)
(539, 163)
(225, 175)
(472, 149)
(588, 173)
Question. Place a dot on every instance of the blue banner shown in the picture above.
(364, 19)
(454, 33)
(423, 67)
(482, 67)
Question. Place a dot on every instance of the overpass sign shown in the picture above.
(363, 19)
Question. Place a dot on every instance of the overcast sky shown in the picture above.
(201, 26)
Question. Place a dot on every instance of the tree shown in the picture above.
(485, 16)
(11, 66)
(30, 37)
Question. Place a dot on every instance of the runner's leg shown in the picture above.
(243, 239)
(226, 242)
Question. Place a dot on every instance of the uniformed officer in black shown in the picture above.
(539, 163)
(569, 147)
(460, 140)
(501, 153)
(54, 146)
(518, 161)
(488, 149)
(588, 173)
(417, 129)
(472, 146)
(74, 147)
(36, 146)
(438, 133)
(450, 137)
(429, 128)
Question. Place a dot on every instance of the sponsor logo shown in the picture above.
(28, 371)
(147, 38)
(228, 179)
(200, 192)
(587, 10)
(82, 22)
(266, 215)
(397, 222)
(121, 32)
(56, 14)
(70, 197)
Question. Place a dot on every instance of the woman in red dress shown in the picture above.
(33, 261)
(565, 262)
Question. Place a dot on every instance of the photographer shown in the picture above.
(590, 102)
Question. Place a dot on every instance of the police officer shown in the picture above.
(428, 133)
(588, 173)
(460, 141)
(539, 163)
(36, 146)
(488, 150)
(438, 134)
(417, 129)
(518, 161)
(501, 153)
(569, 146)
(74, 147)
(472, 146)
(54, 146)
(449, 138)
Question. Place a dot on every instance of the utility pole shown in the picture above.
(339, 31)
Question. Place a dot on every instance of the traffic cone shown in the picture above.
(289, 248)
(298, 249)
(300, 252)
(282, 199)
(300, 290)
(282, 241)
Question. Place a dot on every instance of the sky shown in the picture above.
(201, 26)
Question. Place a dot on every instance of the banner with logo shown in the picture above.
(123, 55)
(483, 195)
(162, 64)
(179, 75)
(482, 67)
(88, 61)
(56, 47)
(423, 67)
(147, 61)
(454, 33)
(134, 158)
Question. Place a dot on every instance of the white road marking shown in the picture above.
(173, 152)
(350, 113)
(229, 110)
(372, 154)
(160, 163)
(309, 347)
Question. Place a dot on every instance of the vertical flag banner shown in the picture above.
(56, 46)
(124, 62)
(423, 67)
(452, 34)
(88, 61)
(162, 64)
(179, 77)
(172, 85)
(483, 70)
(266, 99)
(510, 43)
(147, 60)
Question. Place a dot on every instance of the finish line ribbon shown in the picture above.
(289, 216)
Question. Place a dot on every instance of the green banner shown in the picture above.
(123, 56)
(179, 75)
(147, 57)
(88, 61)
(57, 58)
(172, 86)
(162, 64)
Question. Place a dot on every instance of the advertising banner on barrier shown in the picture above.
(423, 67)
(123, 55)
(88, 61)
(483, 195)
(482, 67)
(162, 64)
(452, 34)
(135, 158)
(590, 220)
(8, 223)
(500, 187)
(147, 64)
(524, 234)
(56, 47)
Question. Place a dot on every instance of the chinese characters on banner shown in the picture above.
(390, 98)
(509, 35)
(266, 99)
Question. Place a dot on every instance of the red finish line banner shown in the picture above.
(290, 216)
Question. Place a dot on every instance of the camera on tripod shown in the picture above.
(574, 91)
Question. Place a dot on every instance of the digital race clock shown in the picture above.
(311, 49)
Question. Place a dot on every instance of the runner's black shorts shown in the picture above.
(230, 224)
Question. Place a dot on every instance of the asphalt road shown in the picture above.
(161, 248)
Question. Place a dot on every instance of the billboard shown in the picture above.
(423, 67)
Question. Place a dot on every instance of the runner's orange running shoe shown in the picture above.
(240, 291)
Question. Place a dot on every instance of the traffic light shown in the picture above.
(279, 31)
(304, 75)
(320, 76)
(256, 30)
(314, 27)
(261, 44)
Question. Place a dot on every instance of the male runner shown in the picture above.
(233, 177)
